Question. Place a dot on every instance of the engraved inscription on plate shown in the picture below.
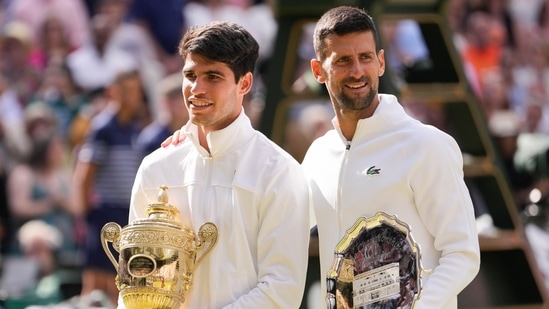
(141, 265)
(376, 265)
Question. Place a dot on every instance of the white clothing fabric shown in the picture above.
(258, 197)
(418, 178)
(92, 71)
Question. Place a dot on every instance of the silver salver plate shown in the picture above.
(377, 265)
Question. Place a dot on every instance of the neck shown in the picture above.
(348, 119)
(202, 133)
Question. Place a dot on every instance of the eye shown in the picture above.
(367, 57)
(343, 60)
(190, 76)
(214, 77)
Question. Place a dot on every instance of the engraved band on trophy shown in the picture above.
(157, 256)
(376, 265)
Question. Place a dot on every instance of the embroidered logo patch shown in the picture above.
(373, 171)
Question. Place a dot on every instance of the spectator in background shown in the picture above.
(59, 91)
(483, 48)
(172, 115)
(164, 23)
(255, 16)
(72, 13)
(40, 242)
(132, 39)
(52, 46)
(495, 96)
(15, 64)
(106, 166)
(40, 187)
(93, 65)
(408, 54)
(531, 73)
(81, 122)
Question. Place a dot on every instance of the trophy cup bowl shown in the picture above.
(157, 256)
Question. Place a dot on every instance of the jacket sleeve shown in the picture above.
(283, 244)
(445, 207)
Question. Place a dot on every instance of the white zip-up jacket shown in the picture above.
(402, 167)
(257, 196)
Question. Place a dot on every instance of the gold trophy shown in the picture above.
(157, 256)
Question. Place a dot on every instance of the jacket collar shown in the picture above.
(388, 113)
(225, 140)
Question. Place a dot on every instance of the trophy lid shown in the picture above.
(162, 211)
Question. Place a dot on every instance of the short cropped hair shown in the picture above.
(225, 42)
(342, 20)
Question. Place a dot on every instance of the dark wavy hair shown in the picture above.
(225, 42)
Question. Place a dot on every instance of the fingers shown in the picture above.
(181, 137)
(167, 141)
(176, 138)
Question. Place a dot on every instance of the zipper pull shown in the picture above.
(348, 146)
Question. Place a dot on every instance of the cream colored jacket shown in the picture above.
(257, 196)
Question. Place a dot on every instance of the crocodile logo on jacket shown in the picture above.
(373, 170)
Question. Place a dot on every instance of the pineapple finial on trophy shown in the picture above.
(163, 195)
(162, 209)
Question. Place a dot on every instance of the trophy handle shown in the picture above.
(207, 233)
(111, 233)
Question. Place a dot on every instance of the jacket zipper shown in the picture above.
(339, 209)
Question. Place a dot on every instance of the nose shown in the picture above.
(355, 70)
(197, 87)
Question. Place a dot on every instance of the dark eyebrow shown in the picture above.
(209, 72)
(215, 72)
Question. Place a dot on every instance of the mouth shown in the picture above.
(199, 103)
(356, 85)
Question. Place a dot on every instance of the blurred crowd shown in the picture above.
(61, 65)
(504, 48)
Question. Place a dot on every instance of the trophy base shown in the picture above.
(150, 298)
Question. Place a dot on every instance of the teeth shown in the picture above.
(356, 86)
(200, 104)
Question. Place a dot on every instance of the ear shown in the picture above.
(381, 58)
(316, 68)
(246, 82)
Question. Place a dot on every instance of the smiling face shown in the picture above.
(212, 96)
(350, 69)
